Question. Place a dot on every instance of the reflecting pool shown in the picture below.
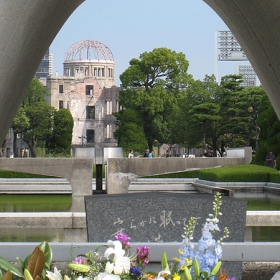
(35, 203)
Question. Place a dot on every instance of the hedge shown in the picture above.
(236, 173)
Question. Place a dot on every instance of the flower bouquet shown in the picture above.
(116, 263)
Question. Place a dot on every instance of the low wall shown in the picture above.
(78, 171)
(73, 224)
(121, 171)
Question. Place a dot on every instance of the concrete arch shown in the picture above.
(28, 28)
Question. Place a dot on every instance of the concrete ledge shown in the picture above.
(263, 218)
(57, 220)
(76, 220)
(235, 251)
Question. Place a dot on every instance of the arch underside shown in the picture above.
(28, 28)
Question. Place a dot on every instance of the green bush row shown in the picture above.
(237, 173)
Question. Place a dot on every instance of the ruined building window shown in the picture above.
(90, 112)
(89, 89)
(110, 72)
(90, 136)
(60, 88)
(60, 105)
(108, 106)
(108, 131)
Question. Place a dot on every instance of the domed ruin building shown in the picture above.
(87, 89)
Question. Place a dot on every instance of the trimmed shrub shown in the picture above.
(237, 173)
(184, 174)
(275, 177)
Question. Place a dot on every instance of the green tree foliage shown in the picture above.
(131, 134)
(269, 138)
(60, 140)
(40, 125)
(201, 112)
(151, 86)
(217, 115)
(34, 119)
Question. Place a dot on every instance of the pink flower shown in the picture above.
(143, 255)
(124, 239)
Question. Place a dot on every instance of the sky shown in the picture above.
(131, 27)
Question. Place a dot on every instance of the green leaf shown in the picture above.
(216, 269)
(27, 275)
(164, 261)
(80, 267)
(196, 267)
(186, 274)
(21, 263)
(7, 266)
(46, 249)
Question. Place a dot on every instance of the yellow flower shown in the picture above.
(188, 262)
(182, 267)
(176, 259)
(176, 276)
(180, 251)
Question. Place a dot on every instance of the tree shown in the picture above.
(201, 112)
(60, 141)
(269, 138)
(40, 125)
(131, 134)
(151, 85)
(34, 119)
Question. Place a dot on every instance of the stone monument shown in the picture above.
(161, 217)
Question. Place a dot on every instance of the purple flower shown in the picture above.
(124, 239)
(143, 255)
(80, 260)
(136, 271)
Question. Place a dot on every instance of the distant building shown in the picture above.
(46, 66)
(87, 89)
(249, 75)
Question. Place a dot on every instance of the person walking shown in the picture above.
(271, 160)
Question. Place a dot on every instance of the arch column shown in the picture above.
(27, 29)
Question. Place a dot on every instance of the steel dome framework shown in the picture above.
(88, 50)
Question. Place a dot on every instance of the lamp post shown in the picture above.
(82, 137)
(253, 111)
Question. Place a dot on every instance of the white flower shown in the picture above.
(106, 276)
(82, 278)
(109, 267)
(55, 275)
(159, 277)
(120, 263)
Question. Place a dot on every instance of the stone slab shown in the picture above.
(158, 217)
(161, 217)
